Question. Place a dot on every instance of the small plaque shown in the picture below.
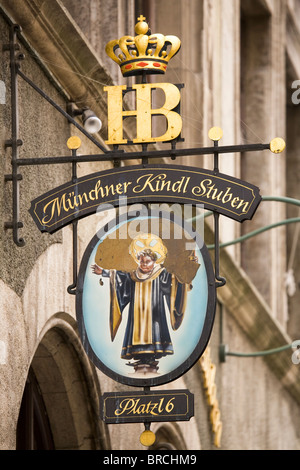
(137, 407)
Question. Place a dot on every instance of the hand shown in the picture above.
(96, 269)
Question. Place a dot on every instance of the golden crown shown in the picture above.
(144, 53)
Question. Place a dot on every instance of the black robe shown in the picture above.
(147, 332)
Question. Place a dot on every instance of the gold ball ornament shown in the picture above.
(74, 142)
(215, 133)
(147, 438)
(141, 27)
(277, 145)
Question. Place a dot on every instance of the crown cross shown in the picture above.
(144, 53)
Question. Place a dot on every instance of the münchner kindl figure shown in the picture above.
(147, 290)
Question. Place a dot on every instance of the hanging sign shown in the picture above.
(145, 301)
(134, 407)
(225, 194)
(146, 288)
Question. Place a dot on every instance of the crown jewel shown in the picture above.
(144, 53)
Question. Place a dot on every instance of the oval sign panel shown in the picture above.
(145, 300)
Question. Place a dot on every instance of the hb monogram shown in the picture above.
(143, 113)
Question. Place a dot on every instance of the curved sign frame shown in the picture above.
(218, 192)
(159, 340)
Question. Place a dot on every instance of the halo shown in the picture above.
(144, 241)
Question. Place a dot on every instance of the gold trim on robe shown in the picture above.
(142, 316)
(142, 323)
(115, 316)
(142, 332)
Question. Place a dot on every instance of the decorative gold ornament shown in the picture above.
(277, 145)
(148, 241)
(215, 133)
(147, 438)
(144, 53)
(74, 142)
(209, 373)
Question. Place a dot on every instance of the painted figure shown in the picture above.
(150, 292)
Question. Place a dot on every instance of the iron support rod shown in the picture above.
(221, 281)
(64, 113)
(14, 142)
(260, 353)
(71, 289)
(241, 239)
(216, 157)
(121, 155)
(223, 352)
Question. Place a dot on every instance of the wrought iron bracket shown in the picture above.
(115, 155)
(14, 142)
(72, 287)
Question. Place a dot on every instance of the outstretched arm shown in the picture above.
(96, 269)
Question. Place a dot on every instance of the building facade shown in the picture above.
(240, 65)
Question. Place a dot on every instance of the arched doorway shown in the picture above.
(60, 402)
(33, 429)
